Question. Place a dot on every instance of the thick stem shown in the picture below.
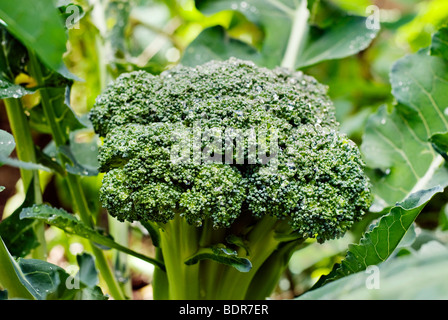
(25, 152)
(210, 271)
(160, 285)
(269, 274)
(262, 243)
(179, 241)
(297, 36)
(73, 181)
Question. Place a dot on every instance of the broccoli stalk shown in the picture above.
(231, 167)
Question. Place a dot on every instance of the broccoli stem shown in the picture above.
(210, 271)
(179, 240)
(160, 280)
(262, 244)
(268, 275)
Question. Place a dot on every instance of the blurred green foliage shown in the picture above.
(116, 36)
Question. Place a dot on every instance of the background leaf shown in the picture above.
(343, 38)
(50, 281)
(215, 44)
(378, 244)
(396, 142)
(47, 37)
(420, 276)
(7, 143)
(346, 37)
(13, 56)
(18, 234)
(439, 45)
(11, 276)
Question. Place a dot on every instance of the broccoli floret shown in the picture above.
(227, 150)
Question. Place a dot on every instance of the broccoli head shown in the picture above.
(227, 150)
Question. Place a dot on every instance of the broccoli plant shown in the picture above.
(231, 167)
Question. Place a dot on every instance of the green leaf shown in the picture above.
(420, 276)
(13, 56)
(396, 143)
(51, 282)
(19, 235)
(345, 38)
(11, 277)
(7, 143)
(22, 164)
(70, 224)
(378, 244)
(87, 271)
(277, 19)
(46, 279)
(439, 46)
(215, 44)
(63, 113)
(76, 167)
(223, 255)
(11, 90)
(82, 153)
(38, 25)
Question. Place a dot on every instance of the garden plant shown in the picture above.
(223, 150)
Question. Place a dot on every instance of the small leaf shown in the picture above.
(345, 36)
(223, 255)
(87, 270)
(76, 167)
(50, 281)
